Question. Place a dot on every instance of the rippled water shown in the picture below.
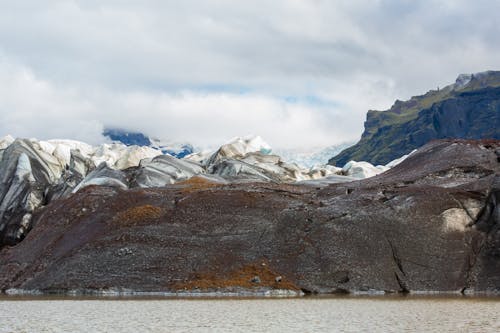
(252, 315)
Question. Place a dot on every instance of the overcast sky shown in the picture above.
(298, 73)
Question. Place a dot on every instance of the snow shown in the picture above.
(311, 157)
(200, 157)
(321, 171)
(362, 169)
(103, 175)
(395, 162)
(165, 169)
(239, 147)
(6, 141)
(176, 149)
(116, 155)
(240, 159)
(84, 148)
(132, 156)
(366, 170)
(236, 170)
(45, 146)
(63, 154)
(42, 150)
(23, 168)
(57, 154)
(101, 181)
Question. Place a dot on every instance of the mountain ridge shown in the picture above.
(471, 105)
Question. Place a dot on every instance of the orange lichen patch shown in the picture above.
(138, 215)
(249, 276)
(197, 183)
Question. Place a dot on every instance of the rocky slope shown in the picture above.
(468, 109)
(431, 223)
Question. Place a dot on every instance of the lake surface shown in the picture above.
(351, 314)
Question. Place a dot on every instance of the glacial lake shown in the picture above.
(308, 314)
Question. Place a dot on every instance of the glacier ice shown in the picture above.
(34, 172)
(362, 169)
(163, 170)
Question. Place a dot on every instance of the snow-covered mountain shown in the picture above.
(130, 138)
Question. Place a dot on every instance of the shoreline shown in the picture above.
(92, 294)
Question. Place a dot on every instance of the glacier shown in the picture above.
(35, 172)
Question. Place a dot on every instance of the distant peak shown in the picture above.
(131, 138)
(126, 137)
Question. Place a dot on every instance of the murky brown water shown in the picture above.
(252, 315)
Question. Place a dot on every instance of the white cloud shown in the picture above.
(297, 72)
(31, 107)
(36, 108)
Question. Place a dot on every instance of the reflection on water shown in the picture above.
(251, 315)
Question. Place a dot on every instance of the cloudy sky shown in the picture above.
(300, 73)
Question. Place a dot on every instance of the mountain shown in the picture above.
(130, 138)
(127, 138)
(469, 109)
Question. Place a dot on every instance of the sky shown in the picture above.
(299, 73)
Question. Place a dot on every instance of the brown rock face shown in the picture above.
(430, 224)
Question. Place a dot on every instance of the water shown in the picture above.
(252, 315)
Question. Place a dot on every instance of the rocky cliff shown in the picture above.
(431, 224)
(468, 109)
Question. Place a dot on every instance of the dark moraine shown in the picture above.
(430, 224)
